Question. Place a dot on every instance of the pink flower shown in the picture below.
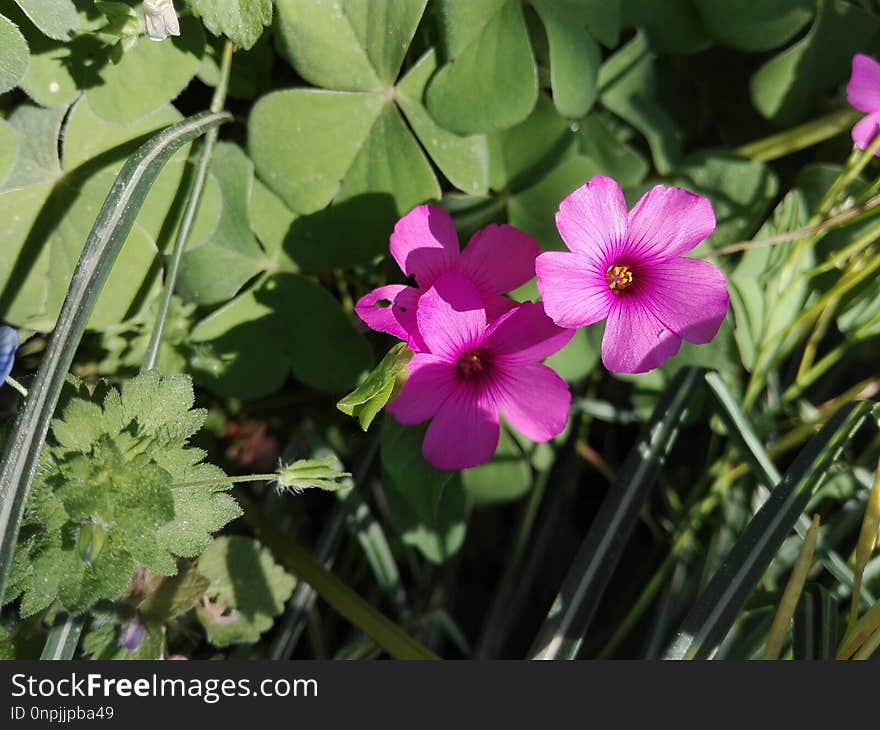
(472, 370)
(496, 260)
(628, 269)
(863, 92)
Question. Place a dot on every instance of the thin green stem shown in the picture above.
(151, 358)
(12, 382)
(818, 334)
(846, 217)
(800, 137)
(856, 163)
(227, 480)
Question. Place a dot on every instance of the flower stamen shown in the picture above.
(472, 365)
(619, 278)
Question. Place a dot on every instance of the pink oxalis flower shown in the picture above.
(424, 244)
(629, 269)
(863, 92)
(472, 369)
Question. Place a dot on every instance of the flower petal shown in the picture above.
(430, 382)
(498, 259)
(863, 89)
(534, 400)
(451, 316)
(689, 296)
(864, 132)
(8, 347)
(390, 309)
(424, 244)
(573, 288)
(592, 219)
(496, 305)
(464, 433)
(526, 334)
(667, 222)
(635, 341)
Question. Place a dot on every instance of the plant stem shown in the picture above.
(848, 216)
(792, 592)
(800, 137)
(151, 358)
(817, 336)
(112, 226)
(227, 480)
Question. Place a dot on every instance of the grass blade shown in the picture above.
(111, 228)
(765, 471)
(816, 623)
(569, 618)
(716, 609)
(63, 637)
(384, 632)
(792, 593)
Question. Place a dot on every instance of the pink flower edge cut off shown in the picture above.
(629, 269)
(473, 370)
(863, 93)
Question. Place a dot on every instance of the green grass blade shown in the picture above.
(569, 618)
(384, 632)
(111, 228)
(765, 471)
(718, 606)
(816, 625)
(63, 637)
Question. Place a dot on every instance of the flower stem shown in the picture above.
(800, 137)
(192, 204)
(227, 480)
(848, 216)
(16, 385)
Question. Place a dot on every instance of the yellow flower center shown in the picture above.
(619, 278)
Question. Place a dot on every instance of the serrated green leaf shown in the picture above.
(247, 587)
(113, 469)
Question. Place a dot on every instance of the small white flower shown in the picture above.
(161, 19)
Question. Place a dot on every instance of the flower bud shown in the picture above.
(161, 19)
